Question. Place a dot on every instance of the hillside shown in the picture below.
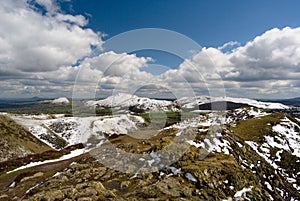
(137, 104)
(241, 154)
(16, 141)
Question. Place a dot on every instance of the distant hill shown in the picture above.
(23, 100)
(291, 101)
(16, 141)
(220, 105)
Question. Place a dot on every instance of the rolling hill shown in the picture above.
(16, 141)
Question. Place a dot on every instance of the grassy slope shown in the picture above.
(15, 138)
(255, 129)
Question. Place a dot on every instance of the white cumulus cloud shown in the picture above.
(33, 42)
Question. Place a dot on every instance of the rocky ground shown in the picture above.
(245, 154)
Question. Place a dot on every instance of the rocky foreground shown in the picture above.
(242, 154)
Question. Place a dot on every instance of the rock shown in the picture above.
(3, 196)
(53, 195)
(39, 174)
(124, 185)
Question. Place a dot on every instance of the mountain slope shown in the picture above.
(138, 104)
(16, 141)
(243, 154)
(127, 101)
(194, 102)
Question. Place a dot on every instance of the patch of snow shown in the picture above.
(280, 192)
(213, 145)
(239, 144)
(155, 156)
(269, 186)
(35, 186)
(264, 155)
(242, 193)
(192, 102)
(291, 180)
(77, 129)
(288, 137)
(117, 125)
(73, 129)
(12, 185)
(150, 162)
(256, 113)
(190, 177)
(263, 150)
(72, 154)
(174, 170)
(271, 198)
(57, 174)
(296, 187)
(278, 157)
(61, 100)
(191, 142)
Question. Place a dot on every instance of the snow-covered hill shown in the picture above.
(125, 101)
(61, 131)
(193, 102)
(61, 100)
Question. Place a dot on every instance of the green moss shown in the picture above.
(165, 119)
(255, 129)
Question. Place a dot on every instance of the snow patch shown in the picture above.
(76, 130)
(288, 137)
(192, 102)
(72, 154)
(61, 100)
(269, 186)
(242, 193)
(117, 125)
(213, 145)
(190, 177)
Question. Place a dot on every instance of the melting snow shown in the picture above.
(239, 144)
(77, 129)
(117, 125)
(288, 137)
(191, 102)
(175, 170)
(190, 177)
(61, 100)
(73, 153)
(242, 193)
(213, 145)
(268, 186)
(255, 147)
(12, 185)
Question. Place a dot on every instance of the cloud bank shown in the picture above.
(43, 51)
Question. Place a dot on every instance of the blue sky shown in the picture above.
(251, 48)
(210, 23)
